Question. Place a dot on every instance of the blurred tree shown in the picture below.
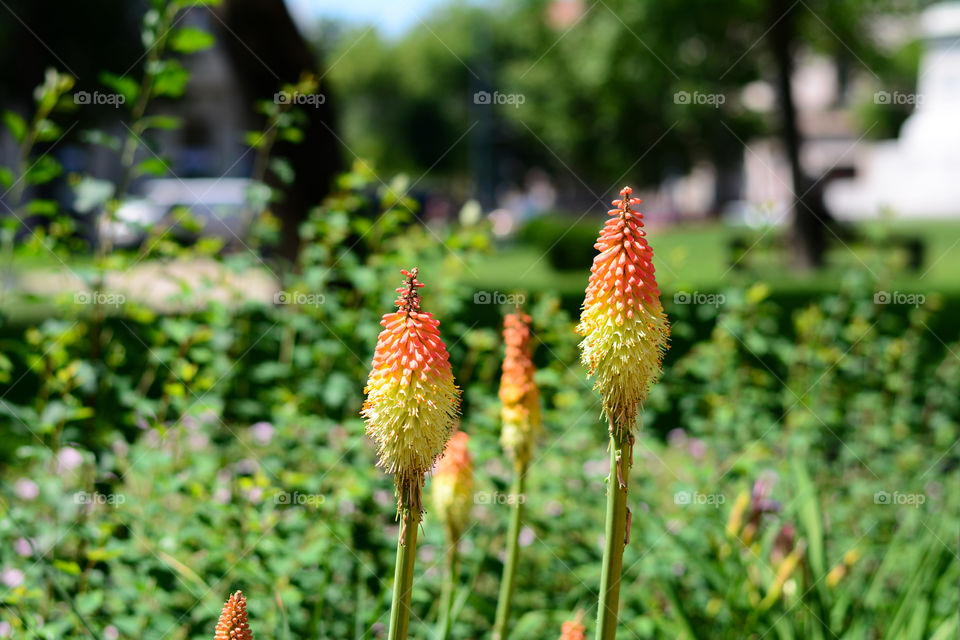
(613, 86)
(267, 51)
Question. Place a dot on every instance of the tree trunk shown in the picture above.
(809, 227)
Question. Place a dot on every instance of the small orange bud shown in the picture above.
(453, 485)
(573, 629)
(233, 623)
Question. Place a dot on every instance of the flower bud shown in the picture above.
(573, 629)
(233, 623)
(453, 485)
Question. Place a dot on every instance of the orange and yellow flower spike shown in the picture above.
(412, 400)
(519, 394)
(522, 425)
(233, 623)
(411, 405)
(623, 325)
(625, 335)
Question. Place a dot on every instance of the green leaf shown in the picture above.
(190, 40)
(254, 139)
(153, 167)
(16, 125)
(283, 170)
(170, 78)
(67, 566)
(47, 131)
(293, 134)
(43, 170)
(42, 207)
(161, 122)
(6, 177)
(259, 195)
(124, 85)
(89, 602)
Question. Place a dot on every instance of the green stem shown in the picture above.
(451, 560)
(504, 602)
(621, 454)
(403, 576)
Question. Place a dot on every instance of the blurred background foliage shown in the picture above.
(590, 107)
(792, 480)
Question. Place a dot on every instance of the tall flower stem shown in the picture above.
(451, 562)
(403, 576)
(505, 600)
(621, 459)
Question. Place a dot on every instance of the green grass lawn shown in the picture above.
(699, 257)
(688, 258)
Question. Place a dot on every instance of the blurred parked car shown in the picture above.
(194, 207)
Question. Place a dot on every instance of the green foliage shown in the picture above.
(160, 454)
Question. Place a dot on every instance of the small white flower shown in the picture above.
(69, 459)
(26, 489)
(262, 433)
(11, 577)
(21, 546)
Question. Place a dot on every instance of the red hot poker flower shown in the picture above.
(412, 400)
(623, 325)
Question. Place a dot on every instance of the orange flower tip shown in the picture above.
(409, 300)
(233, 623)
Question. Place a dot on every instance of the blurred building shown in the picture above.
(213, 113)
(916, 175)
